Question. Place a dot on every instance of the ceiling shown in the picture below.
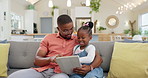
(122, 2)
(33, 1)
(126, 1)
(139, 7)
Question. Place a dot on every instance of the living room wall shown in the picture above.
(18, 7)
(5, 27)
(8, 6)
(108, 7)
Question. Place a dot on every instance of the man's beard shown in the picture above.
(65, 37)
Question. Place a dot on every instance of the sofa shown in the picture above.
(21, 54)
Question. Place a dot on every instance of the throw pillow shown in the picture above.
(132, 41)
(129, 60)
(4, 49)
(145, 41)
(3, 41)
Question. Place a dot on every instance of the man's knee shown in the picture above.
(25, 73)
(60, 75)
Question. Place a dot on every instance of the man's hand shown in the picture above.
(53, 59)
(83, 70)
(42, 60)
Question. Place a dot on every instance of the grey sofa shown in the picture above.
(21, 54)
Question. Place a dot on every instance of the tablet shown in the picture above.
(67, 63)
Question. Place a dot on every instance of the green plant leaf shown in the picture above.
(54, 7)
(95, 5)
(127, 31)
(101, 28)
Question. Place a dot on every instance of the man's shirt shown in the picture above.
(54, 44)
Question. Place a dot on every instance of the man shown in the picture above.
(52, 45)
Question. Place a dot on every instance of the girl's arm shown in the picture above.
(90, 56)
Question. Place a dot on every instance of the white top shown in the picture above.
(90, 49)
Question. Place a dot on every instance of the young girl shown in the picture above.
(86, 52)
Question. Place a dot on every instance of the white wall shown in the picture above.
(108, 7)
(30, 16)
(44, 11)
(5, 28)
(82, 12)
(18, 7)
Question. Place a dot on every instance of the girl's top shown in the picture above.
(86, 55)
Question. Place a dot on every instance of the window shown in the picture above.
(144, 24)
(16, 21)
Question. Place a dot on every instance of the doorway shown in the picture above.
(46, 24)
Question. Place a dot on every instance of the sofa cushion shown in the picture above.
(22, 54)
(4, 49)
(105, 49)
(129, 60)
(133, 41)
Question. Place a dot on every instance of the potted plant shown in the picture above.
(146, 32)
(30, 7)
(94, 5)
(127, 32)
(101, 28)
(54, 7)
(136, 33)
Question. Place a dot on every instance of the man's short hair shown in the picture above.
(63, 19)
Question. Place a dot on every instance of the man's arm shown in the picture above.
(40, 59)
(97, 61)
(86, 68)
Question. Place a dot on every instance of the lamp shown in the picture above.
(87, 2)
(68, 3)
(50, 4)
